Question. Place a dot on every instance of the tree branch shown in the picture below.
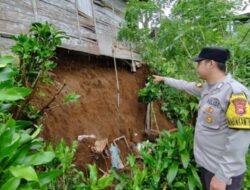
(52, 99)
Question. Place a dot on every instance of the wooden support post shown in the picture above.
(154, 116)
(78, 21)
(148, 118)
(117, 80)
(35, 9)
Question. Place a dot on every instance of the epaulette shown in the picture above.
(236, 86)
(199, 85)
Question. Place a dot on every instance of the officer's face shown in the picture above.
(203, 69)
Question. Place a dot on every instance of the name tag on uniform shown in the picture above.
(214, 102)
(238, 113)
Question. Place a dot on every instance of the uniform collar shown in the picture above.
(218, 85)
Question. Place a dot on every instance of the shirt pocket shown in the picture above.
(211, 117)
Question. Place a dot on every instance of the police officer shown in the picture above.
(222, 132)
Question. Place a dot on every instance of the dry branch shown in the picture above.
(52, 99)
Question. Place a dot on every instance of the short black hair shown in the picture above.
(221, 66)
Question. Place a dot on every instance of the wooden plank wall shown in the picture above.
(94, 35)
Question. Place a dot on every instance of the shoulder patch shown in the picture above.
(199, 85)
(238, 112)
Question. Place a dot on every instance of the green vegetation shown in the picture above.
(192, 25)
(26, 162)
(167, 47)
(167, 164)
(247, 175)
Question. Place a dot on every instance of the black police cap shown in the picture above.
(217, 54)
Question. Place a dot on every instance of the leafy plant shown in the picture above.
(186, 108)
(92, 182)
(63, 162)
(71, 97)
(24, 158)
(247, 174)
(171, 162)
(191, 25)
(135, 178)
(36, 52)
(137, 11)
(167, 164)
(21, 152)
(149, 93)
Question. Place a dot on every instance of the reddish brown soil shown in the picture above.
(96, 113)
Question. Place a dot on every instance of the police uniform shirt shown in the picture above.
(220, 141)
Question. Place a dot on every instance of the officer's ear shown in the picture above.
(213, 64)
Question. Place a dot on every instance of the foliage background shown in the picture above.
(167, 45)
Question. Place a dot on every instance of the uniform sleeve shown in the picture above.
(189, 87)
(248, 96)
(235, 152)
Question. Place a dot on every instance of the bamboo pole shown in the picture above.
(115, 64)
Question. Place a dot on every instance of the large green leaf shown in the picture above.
(37, 131)
(6, 74)
(7, 135)
(9, 150)
(92, 174)
(4, 60)
(172, 172)
(25, 138)
(24, 172)
(191, 183)
(21, 154)
(27, 187)
(23, 124)
(196, 177)
(178, 184)
(6, 84)
(39, 158)
(5, 107)
(185, 158)
(11, 184)
(14, 94)
(47, 177)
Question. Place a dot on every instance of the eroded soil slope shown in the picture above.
(96, 113)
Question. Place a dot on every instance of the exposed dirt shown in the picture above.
(97, 112)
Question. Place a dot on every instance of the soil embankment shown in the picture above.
(96, 113)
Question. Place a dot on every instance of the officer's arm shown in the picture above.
(235, 151)
(190, 87)
(236, 146)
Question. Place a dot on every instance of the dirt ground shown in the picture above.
(96, 113)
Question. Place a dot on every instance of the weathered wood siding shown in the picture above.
(92, 32)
